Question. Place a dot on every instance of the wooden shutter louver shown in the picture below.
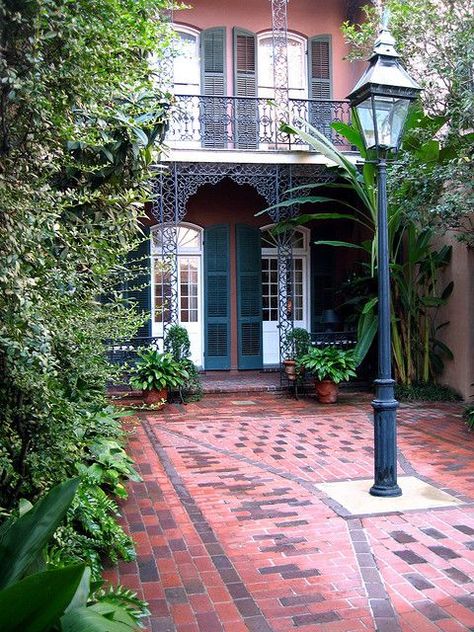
(320, 71)
(216, 297)
(213, 111)
(213, 61)
(249, 286)
(245, 85)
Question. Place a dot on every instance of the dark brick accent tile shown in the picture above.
(434, 533)
(291, 523)
(381, 608)
(309, 572)
(238, 591)
(257, 624)
(247, 607)
(402, 538)
(469, 545)
(464, 528)
(444, 552)
(229, 576)
(208, 622)
(177, 545)
(457, 576)
(467, 601)
(431, 611)
(193, 587)
(319, 617)
(280, 568)
(418, 581)
(176, 595)
(162, 624)
(147, 570)
(410, 557)
(299, 600)
(221, 562)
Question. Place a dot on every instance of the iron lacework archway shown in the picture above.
(177, 182)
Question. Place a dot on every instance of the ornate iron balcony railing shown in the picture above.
(248, 123)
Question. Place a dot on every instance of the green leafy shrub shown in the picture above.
(426, 391)
(468, 416)
(36, 597)
(300, 341)
(330, 363)
(178, 344)
(155, 370)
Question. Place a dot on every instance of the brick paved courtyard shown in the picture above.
(232, 533)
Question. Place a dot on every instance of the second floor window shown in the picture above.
(187, 72)
(296, 63)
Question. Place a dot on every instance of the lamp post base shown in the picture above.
(385, 440)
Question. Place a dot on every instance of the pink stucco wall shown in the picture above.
(305, 17)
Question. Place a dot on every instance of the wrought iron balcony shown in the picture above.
(210, 122)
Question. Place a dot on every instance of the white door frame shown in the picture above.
(271, 332)
(195, 329)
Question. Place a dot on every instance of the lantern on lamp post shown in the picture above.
(380, 104)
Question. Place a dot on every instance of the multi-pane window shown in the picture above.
(296, 62)
(189, 244)
(186, 63)
(270, 289)
(188, 286)
(162, 290)
(298, 288)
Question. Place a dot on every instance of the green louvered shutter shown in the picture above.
(213, 110)
(140, 287)
(217, 298)
(249, 297)
(320, 82)
(245, 85)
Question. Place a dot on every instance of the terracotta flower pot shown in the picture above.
(326, 391)
(290, 369)
(155, 396)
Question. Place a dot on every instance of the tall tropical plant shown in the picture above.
(415, 264)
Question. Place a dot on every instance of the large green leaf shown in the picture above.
(98, 618)
(27, 536)
(366, 331)
(344, 244)
(37, 602)
(351, 134)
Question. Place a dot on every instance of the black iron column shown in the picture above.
(385, 405)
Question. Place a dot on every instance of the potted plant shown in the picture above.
(329, 366)
(300, 341)
(155, 373)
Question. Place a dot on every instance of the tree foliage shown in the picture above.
(436, 41)
(79, 117)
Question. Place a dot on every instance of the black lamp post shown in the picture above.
(380, 102)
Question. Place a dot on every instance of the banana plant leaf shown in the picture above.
(26, 536)
(37, 602)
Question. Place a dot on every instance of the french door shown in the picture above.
(271, 336)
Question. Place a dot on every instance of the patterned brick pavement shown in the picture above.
(232, 534)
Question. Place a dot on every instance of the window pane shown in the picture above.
(188, 287)
(162, 291)
(186, 63)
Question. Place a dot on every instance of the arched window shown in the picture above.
(186, 66)
(189, 241)
(297, 78)
(270, 291)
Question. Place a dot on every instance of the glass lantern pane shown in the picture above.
(391, 116)
(365, 117)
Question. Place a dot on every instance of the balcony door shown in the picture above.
(270, 293)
